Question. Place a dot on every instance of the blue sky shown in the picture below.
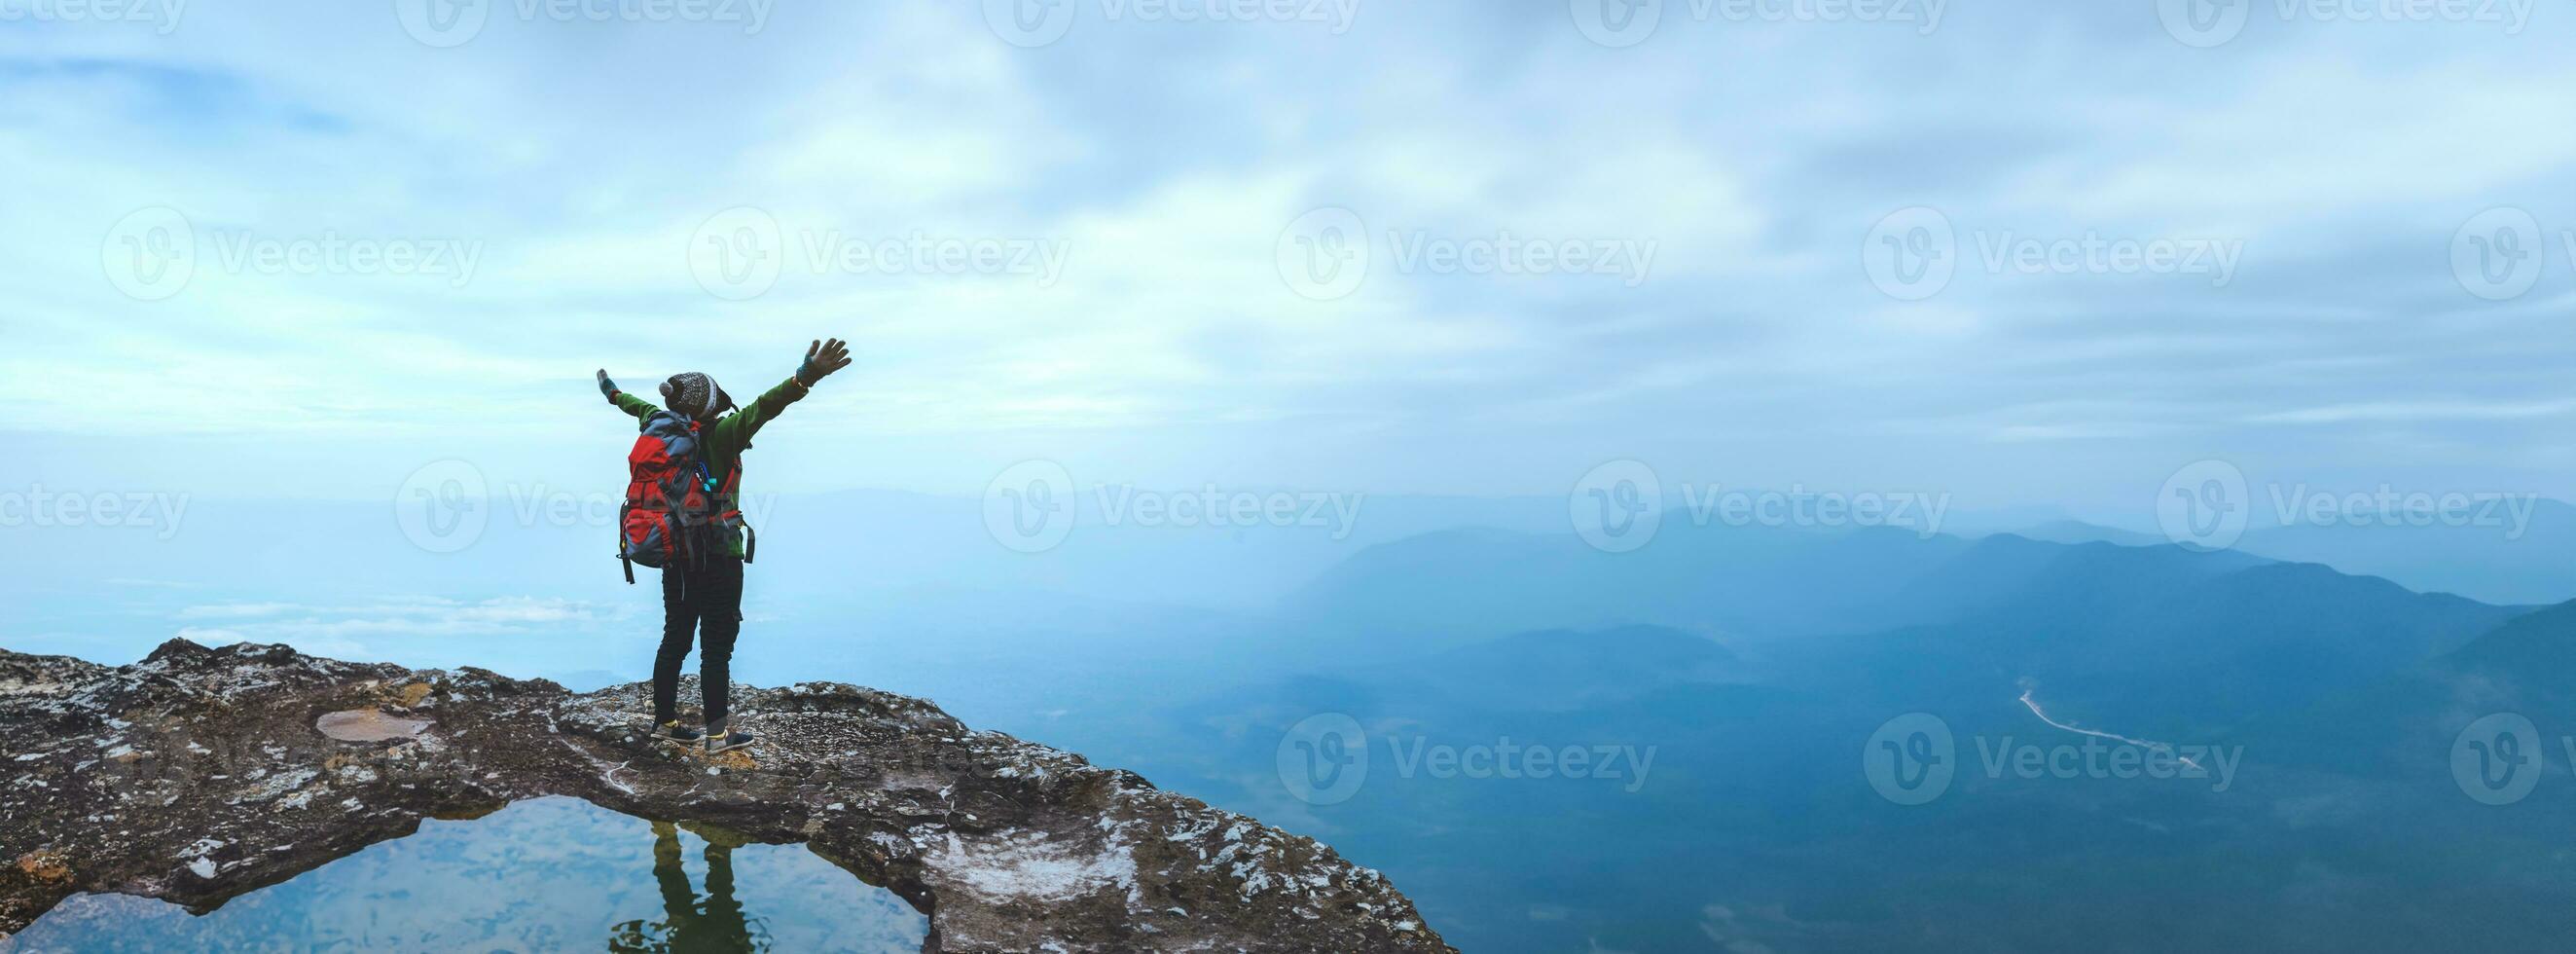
(2157, 252)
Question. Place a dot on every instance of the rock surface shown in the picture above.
(200, 774)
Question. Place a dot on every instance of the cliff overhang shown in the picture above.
(200, 774)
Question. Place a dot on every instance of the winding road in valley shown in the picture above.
(2033, 705)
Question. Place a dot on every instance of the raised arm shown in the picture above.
(821, 359)
(625, 402)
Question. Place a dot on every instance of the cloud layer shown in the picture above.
(2026, 254)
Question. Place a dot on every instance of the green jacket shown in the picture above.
(731, 434)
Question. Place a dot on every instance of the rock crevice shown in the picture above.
(201, 774)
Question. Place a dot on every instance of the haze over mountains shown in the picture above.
(2500, 549)
(1723, 689)
(1757, 787)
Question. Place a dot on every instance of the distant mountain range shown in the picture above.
(1751, 665)
(1755, 665)
(2505, 551)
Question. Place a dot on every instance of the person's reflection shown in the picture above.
(684, 926)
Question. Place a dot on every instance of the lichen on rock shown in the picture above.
(200, 774)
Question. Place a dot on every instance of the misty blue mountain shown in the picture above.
(1717, 692)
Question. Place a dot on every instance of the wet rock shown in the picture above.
(200, 774)
(367, 725)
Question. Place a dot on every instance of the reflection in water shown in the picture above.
(554, 874)
(684, 927)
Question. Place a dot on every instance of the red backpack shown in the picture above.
(677, 511)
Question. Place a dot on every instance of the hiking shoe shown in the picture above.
(728, 742)
(673, 731)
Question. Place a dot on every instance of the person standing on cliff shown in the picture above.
(699, 542)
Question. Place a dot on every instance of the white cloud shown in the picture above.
(2421, 411)
(582, 156)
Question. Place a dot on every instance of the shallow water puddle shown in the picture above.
(545, 875)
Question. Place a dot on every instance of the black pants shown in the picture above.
(707, 601)
(683, 927)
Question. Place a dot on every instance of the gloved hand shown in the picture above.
(821, 359)
(607, 388)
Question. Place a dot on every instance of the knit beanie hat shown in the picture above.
(696, 395)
